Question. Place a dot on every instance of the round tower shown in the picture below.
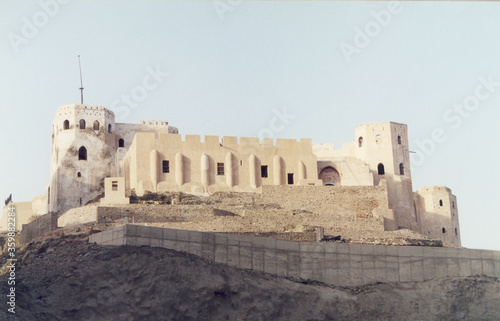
(83, 148)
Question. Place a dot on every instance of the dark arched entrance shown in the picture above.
(329, 176)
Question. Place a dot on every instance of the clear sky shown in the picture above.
(228, 67)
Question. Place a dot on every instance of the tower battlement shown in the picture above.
(154, 122)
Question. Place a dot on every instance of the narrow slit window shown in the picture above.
(166, 166)
(290, 178)
(399, 139)
(401, 169)
(110, 129)
(440, 202)
(263, 171)
(443, 230)
(220, 168)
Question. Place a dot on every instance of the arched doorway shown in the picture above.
(329, 176)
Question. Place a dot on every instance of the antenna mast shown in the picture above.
(81, 82)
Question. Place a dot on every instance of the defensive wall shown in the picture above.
(37, 227)
(164, 162)
(333, 263)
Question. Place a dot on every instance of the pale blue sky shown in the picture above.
(228, 71)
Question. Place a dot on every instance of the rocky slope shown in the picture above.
(67, 279)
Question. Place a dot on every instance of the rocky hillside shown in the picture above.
(69, 279)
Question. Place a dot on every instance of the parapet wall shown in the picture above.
(332, 263)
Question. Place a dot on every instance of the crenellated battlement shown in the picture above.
(232, 141)
(154, 122)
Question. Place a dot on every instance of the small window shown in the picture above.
(66, 124)
(440, 202)
(82, 153)
(377, 138)
(80, 202)
(456, 231)
(263, 171)
(110, 129)
(443, 230)
(166, 166)
(401, 169)
(453, 204)
(82, 123)
(360, 142)
(381, 169)
(96, 125)
(241, 163)
(114, 186)
(220, 168)
(79, 174)
(399, 139)
(121, 142)
(290, 178)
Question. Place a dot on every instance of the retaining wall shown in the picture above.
(39, 226)
(333, 263)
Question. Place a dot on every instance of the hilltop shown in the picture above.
(69, 279)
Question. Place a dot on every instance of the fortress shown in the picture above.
(92, 154)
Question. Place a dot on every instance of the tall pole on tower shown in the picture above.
(81, 81)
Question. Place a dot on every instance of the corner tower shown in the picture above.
(384, 147)
(83, 148)
(437, 212)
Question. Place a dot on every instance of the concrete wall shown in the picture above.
(332, 263)
(41, 225)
